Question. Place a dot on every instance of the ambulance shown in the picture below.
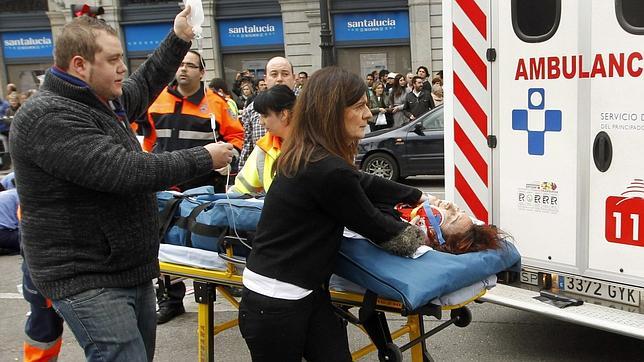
(544, 137)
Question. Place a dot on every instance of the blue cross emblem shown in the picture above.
(536, 138)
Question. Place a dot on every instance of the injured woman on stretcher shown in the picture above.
(448, 228)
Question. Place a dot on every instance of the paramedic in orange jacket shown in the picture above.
(180, 118)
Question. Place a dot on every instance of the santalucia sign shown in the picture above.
(22, 42)
(371, 27)
(253, 29)
(27, 44)
(371, 23)
(250, 32)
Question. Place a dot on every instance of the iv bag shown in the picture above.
(195, 19)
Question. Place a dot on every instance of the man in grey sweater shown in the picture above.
(89, 212)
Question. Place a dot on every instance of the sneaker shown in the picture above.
(166, 314)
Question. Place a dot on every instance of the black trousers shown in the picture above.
(170, 296)
(43, 324)
(9, 241)
(287, 330)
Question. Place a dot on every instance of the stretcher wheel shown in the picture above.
(391, 353)
(462, 316)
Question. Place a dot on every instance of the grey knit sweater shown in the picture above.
(89, 212)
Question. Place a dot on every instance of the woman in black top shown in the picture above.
(285, 313)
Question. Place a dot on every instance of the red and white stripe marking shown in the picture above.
(471, 106)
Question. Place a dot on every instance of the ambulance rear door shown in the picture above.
(536, 118)
(616, 144)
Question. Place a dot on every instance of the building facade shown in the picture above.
(398, 35)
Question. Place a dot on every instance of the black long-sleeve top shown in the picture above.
(299, 233)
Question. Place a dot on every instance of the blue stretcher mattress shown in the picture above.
(416, 282)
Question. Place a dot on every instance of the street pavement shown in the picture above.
(495, 334)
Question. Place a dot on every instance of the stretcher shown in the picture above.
(216, 272)
(209, 234)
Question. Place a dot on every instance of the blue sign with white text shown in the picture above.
(251, 31)
(384, 25)
(27, 44)
(145, 37)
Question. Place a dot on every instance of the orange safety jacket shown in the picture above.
(179, 122)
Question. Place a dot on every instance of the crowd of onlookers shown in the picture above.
(245, 87)
(8, 109)
(389, 95)
(10, 105)
(396, 98)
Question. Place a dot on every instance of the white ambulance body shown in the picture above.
(544, 115)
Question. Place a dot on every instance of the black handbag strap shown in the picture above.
(167, 217)
(192, 219)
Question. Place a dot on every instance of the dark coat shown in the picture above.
(89, 211)
(418, 106)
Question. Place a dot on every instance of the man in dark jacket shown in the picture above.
(89, 212)
(418, 101)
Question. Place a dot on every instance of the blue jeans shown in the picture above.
(113, 324)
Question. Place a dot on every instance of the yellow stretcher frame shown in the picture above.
(207, 281)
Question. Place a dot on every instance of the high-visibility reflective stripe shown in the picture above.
(261, 162)
(251, 189)
(185, 135)
(164, 133)
(195, 135)
(41, 345)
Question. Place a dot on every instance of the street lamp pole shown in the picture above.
(326, 40)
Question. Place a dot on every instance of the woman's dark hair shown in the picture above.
(318, 128)
(276, 99)
(425, 69)
(396, 89)
(477, 238)
(218, 83)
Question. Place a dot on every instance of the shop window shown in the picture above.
(535, 21)
(630, 15)
(23, 5)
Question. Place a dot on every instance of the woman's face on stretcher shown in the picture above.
(455, 221)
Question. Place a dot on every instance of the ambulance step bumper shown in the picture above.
(609, 319)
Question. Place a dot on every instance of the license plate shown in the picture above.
(529, 277)
(600, 290)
